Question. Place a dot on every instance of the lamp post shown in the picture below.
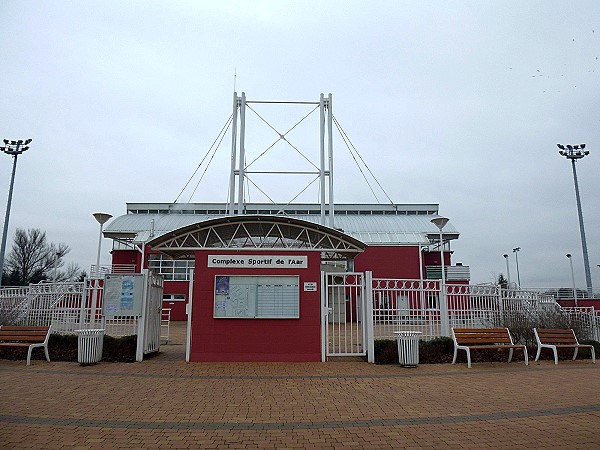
(516, 251)
(440, 222)
(102, 218)
(13, 148)
(575, 152)
(573, 279)
(507, 269)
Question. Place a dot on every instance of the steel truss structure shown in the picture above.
(240, 169)
(258, 233)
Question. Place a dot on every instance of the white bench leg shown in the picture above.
(575, 353)
(510, 354)
(468, 350)
(455, 352)
(593, 355)
(46, 351)
(537, 356)
(555, 354)
(526, 356)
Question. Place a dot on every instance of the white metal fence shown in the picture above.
(78, 305)
(421, 305)
(359, 309)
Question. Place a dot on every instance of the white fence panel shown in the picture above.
(344, 330)
(75, 306)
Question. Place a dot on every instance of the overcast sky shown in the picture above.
(458, 103)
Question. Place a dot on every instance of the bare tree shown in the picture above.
(32, 259)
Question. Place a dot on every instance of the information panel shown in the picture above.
(123, 295)
(257, 297)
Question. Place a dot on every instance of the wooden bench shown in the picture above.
(23, 336)
(468, 339)
(553, 338)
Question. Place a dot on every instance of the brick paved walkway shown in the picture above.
(167, 403)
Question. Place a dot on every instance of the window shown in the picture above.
(171, 270)
(173, 297)
(261, 297)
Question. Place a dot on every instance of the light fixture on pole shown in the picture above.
(575, 152)
(507, 269)
(573, 279)
(13, 148)
(102, 218)
(440, 222)
(516, 251)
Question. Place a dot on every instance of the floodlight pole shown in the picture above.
(13, 148)
(575, 152)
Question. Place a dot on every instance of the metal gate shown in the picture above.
(344, 312)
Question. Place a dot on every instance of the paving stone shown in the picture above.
(165, 402)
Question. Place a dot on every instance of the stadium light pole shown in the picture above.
(573, 279)
(516, 251)
(573, 153)
(13, 148)
(507, 269)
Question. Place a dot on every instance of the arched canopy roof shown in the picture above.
(258, 233)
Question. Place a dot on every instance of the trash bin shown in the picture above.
(408, 347)
(89, 345)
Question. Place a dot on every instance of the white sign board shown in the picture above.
(259, 261)
(123, 295)
(310, 286)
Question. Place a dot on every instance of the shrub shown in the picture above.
(521, 323)
(439, 350)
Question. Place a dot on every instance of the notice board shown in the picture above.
(257, 297)
(123, 295)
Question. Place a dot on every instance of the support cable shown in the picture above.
(208, 164)
(222, 132)
(347, 140)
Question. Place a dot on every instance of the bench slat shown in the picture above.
(24, 328)
(548, 336)
(17, 338)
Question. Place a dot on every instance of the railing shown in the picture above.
(65, 306)
(566, 293)
(114, 268)
(420, 305)
(165, 325)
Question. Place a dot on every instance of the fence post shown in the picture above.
(141, 333)
(188, 334)
(323, 317)
(368, 299)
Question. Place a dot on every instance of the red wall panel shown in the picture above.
(389, 262)
(224, 339)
